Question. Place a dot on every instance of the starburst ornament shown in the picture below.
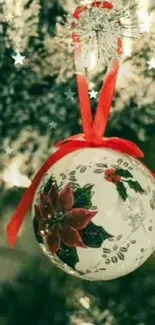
(101, 30)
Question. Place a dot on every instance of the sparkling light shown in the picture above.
(127, 50)
(151, 63)
(86, 323)
(13, 177)
(144, 20)
(85, 302)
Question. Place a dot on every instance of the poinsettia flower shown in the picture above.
(59, 221)
(111, 176)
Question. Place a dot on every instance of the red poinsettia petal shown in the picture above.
(47, 206)
(41, 227)
(71, 237)
(53, 240)
(78, 218)
(66, 198)
(54, 195)
(42, 202)
(38, 213)
(41, 196)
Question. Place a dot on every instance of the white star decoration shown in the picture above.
(151, 63)
(52, 125)
(9, 17)
(8, 151)
(69, 94)
(18, 58)
(93, 93)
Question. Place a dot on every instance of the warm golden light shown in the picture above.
(127, 47)
(85, 302)
(13, 177)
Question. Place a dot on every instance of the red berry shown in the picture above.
(116, 179)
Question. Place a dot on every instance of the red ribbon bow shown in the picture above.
(93, 131)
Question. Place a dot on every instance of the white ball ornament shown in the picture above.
(93, 214)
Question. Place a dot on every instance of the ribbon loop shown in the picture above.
(105, 101)
(94, 131)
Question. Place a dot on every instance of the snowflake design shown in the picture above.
(134, 213)
(100, 29)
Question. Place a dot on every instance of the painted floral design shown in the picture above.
(63, 219)
(59, 221)
(119, 251)
(119, 177)
(65, 215)
(152, 201)
(111, 176)
(134, 213)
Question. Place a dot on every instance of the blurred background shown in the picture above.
(36, 112)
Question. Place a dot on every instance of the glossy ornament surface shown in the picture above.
(94, 214)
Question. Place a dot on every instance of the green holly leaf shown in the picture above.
(68, 255)
(48, 185)
(93, 235)
(135, 186)
(36, 227)
(122, 191)
(123, 173)
(82, 197)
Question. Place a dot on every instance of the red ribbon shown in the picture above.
(93, 131)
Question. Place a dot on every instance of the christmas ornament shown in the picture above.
(92, 201)
(94, 213)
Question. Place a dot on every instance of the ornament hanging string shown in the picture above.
(93, 131)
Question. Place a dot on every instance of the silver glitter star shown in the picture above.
(8, 151)
(93, 93)
(69, 94)
(18, 58)
(52, 125)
